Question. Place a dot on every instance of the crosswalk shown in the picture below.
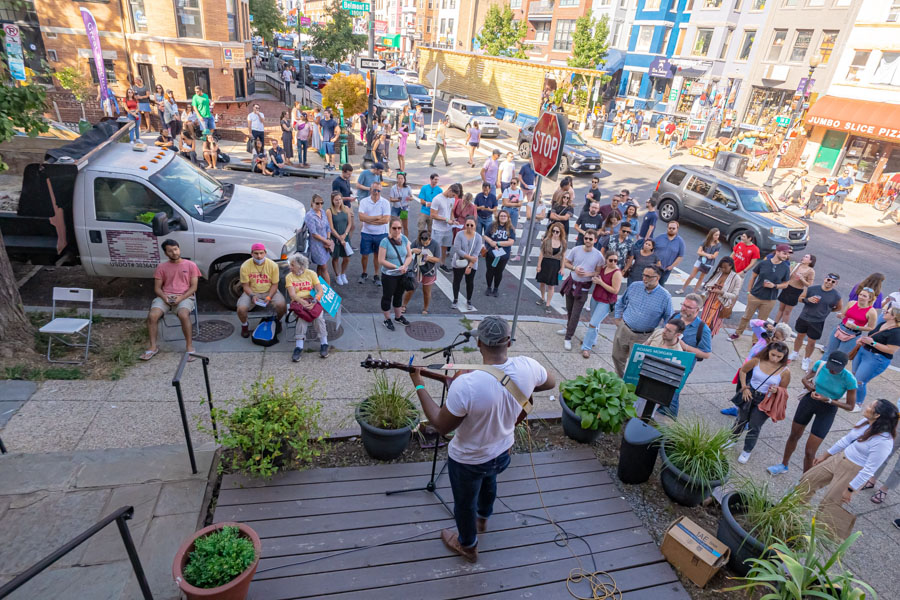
(504, 145)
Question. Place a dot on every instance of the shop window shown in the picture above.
(542, 32)
(702, 42)
(826, 47)
(801, 45)
(187, 18)
(777, 45)
(107, 66)
(725, 43)
(645, 37)
(138, 16)
(747, 44)
(765, 104)
(858, 65)
(888, 70)
(563, 38)
(634, 83)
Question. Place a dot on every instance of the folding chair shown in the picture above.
(65, 326)
(195, 322)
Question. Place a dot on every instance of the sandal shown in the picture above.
(869, 485)
(879, 497)
(148, 354)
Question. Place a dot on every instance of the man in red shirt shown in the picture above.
(175, 283)
(745, 253)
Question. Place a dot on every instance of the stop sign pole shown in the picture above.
(546, 152)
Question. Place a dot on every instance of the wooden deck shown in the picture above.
(314, 517)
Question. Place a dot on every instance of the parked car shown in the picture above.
(319, 76)
(419, 95)
(578, 156)
(346, 69)
(463, 113)
(407, 75)
(714, 198)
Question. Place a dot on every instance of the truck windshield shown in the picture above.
(391, 92)
(758, 201)
(188, 186)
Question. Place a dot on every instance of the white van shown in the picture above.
(390, 95)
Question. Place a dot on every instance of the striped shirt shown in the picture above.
(644, 311)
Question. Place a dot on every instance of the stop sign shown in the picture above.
(547, 143)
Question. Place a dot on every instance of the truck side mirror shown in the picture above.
(160, 224)
(177, 223)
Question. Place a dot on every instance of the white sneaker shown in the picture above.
(561, 331)
(342, 279)
(805, 364)
(453, 304)
(857, 408)
(744, 457)
(793, 355)
(567, 344)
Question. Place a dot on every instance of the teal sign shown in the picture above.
(639, 351)
(783, 121)
(359, 6)
(331, 301)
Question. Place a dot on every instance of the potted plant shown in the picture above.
(387, 418)
(752, 520)
(598, 401)
(695, 459)
(798, 574)
(218, 562)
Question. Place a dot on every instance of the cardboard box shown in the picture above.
(694, 551)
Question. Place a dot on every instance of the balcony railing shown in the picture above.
(541, 9)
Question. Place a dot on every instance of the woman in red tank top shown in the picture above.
(608, 280)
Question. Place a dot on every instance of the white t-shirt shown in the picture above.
(443, 206)
(507, 169)
(489, 409)
(586, 260)
(256, 121)
(372, 209)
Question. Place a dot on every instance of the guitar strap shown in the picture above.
(504, 380)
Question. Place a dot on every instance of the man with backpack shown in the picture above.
(259, 280)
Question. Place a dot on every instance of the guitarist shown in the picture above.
(484, 413)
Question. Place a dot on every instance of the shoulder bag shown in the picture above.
(307, 314)
(462, 263)
(756, 396)
(407, 280)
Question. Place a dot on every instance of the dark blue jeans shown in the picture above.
(474, 491)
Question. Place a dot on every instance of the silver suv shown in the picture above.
(712, 198)
(463, 113)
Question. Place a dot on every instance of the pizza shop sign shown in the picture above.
(859, 128)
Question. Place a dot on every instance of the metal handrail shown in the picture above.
(176, 381)
(120, 516)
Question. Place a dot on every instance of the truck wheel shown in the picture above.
(668, 211)
(228, 286)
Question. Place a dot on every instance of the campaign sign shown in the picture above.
(331, 301)
(639, 351)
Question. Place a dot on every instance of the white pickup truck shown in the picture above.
(103, 204)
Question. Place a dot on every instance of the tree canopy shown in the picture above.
(336, 41)
(589, 42)
(347, 90)
(267, 19)
(501, 35)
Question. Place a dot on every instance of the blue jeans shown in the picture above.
(302, 147)
(866, 367)
(598, 313)
(513, 216)
(134, 135)
(276, 170)
(833, 344)
(474, 491)
(483, 225)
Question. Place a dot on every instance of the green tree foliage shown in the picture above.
(348, 90)
(501, 36)
(336, 41)
(77, 82)
(589, 42)
(267, 19)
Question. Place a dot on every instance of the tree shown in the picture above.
(348, 90)
(334, 42)
(267, 19)
(501, 36)
(78, 83)
(589, 43)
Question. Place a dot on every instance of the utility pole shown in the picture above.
(368, 159)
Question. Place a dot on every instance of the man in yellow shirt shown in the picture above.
(259, 279)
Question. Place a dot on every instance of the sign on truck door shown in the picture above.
(117, 226)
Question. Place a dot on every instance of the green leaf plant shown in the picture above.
(601, 399)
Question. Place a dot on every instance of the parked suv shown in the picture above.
(577, 157)
(713, 198)
(463, 113)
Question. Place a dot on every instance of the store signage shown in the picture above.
(856, 127)
(673, 95)
(390, 41)
(352, 5)
(305, 21)
(661, 67)
(233, 56)
(783, 120)
(381, 26)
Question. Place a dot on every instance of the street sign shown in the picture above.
(783, 120)
(547, 144)
(782, 150)
(435, 77)
(369, 64)
(353, 5)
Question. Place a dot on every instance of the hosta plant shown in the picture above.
(600, 399)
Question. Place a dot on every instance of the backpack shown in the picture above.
(264, 334)
(223, 158)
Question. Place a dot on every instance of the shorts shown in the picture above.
(839, 198)
(144, 106)
(329, 147)
(396, 211)
(790, 295)
(824, 414)
(369, 242)
(444, 239)
(246, 301)
(812, 330)
(474, 144)
(429, 279)
(186, 304)
(209, 122)
(702, 267)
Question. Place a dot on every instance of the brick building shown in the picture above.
(177, 43)
(551, 26)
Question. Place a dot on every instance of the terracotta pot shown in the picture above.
(237, 588)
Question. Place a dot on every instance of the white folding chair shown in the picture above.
(167, 324)
(68, 326)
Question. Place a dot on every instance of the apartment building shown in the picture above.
(315, 10)
(856, 123)
(551, 24)
(426, 13)
(185, 43)
(456, 23)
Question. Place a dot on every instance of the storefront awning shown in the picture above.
(861, 117)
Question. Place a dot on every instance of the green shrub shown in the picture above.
(389, 405)
(270, 427)
(601, 399)
(218, 558)
(697, 449)
(768, 519)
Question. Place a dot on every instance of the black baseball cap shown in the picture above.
(836, 362)
(834, 276)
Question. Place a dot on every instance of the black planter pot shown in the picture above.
(383, 444)
(743, 545)
(572, 425)
(638, 451)
(681, 488)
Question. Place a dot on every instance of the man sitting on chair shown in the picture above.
(484, 414)
(259, 280)
(175, 283)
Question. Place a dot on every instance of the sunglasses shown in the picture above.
(396, 228)
(612, 259)
(318, 203)
(470, 224)
(868, 289)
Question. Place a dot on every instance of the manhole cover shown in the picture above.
(214, 330)
(332, 331)
(424, 331)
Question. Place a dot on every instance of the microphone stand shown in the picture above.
(431, 486)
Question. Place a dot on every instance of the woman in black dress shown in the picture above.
(644, 256)
(562, 212)
(553, 249)
(287, 138)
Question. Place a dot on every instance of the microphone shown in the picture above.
(467, 335)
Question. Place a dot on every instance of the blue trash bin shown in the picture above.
(607, 132)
